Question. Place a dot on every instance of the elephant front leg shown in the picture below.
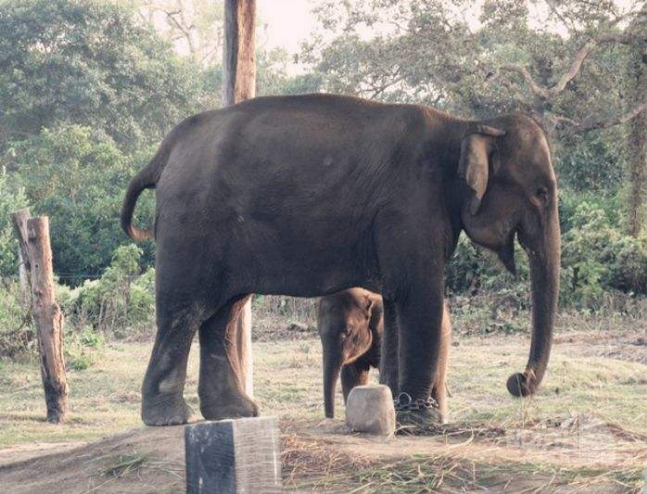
(162, 392)
(419, 316)
(389, 349)
(220, 387)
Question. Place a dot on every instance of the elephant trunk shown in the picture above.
(544, 273)
(332, 362)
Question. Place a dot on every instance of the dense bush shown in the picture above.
(598, 257)
(120, 300)
(77, 177)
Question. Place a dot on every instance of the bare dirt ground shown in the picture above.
(325, 456)
(585, 432)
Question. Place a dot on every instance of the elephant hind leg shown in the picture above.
(220, 388)
(162, 392)
(355, 374)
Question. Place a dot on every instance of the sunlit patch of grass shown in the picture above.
(613, 390)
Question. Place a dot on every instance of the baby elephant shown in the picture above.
(351, 327)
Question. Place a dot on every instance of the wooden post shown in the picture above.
(48, 318)
(233, 456)
(239, 64)
(245, 347)
(239, 51)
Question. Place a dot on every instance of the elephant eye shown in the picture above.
(542, 194)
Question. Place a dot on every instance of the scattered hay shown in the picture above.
(123, 465)
(305, 460)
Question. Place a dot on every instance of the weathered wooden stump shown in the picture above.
(36, 254)
(370, 409)
(233, 456)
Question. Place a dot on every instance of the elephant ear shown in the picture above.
(368, 307)
(474, 165)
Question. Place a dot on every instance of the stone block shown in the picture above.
(370, 409)
(233, 456)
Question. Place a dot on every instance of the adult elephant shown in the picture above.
(309, 195)
(351, 327)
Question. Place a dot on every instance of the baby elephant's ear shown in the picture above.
(368, 307)
(474, 164)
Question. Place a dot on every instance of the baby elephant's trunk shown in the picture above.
(332, 367)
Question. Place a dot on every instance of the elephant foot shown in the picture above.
(164, 410)
(231, 407)
(419, 422)
(417, 417)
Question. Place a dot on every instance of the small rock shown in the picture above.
(370, 409)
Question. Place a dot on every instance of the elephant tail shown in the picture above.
(146, 179)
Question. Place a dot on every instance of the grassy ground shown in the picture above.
(104, 398)
(592, 406)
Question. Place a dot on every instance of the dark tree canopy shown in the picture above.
(89, 63)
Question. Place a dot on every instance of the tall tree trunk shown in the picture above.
(239, 54)
(638, 129)
(239, 84)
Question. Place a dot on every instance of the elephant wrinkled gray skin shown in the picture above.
(351, 327)
(310, 195)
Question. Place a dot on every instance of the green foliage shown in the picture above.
(120, 299)
(598, 257)
(586, 252)
(12, 198)
(473, 268)
(89, 63)
(592, 163)
(77, 177)
(628, 269)
(81, 347)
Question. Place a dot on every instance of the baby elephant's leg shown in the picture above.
(355, 374)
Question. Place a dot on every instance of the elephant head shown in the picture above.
(343, 324)
(512, 192)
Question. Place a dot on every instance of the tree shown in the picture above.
(77, 176)
(194, 26)
(564, 63)
(563, 67)
(89, 63)
(637, 155)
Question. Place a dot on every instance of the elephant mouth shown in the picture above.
(505, 253)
